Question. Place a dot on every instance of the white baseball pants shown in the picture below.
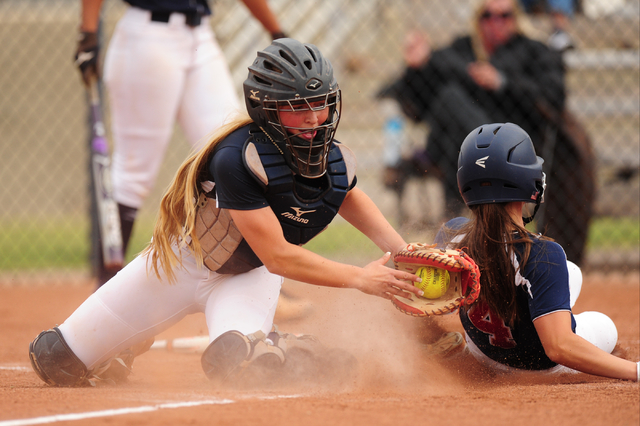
(135, 306)
(155, 73)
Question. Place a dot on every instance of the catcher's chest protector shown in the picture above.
(301, 218)
(219, 238)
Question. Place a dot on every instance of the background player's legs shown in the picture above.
(145, 76)
(209, 97)
(144, 73)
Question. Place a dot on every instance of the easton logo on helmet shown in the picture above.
(480, 161)
(313, 84)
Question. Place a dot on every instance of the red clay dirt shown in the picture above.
(394, 382)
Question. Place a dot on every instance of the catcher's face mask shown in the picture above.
(307, 127)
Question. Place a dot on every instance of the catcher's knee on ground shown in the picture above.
(277, 356)
(233, 351)
(54, 362)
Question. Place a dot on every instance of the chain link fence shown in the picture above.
(44, 150)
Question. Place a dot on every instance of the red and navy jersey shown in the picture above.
(542, 288)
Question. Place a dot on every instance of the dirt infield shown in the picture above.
(394, 383)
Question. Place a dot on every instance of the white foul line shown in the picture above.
(107, 413)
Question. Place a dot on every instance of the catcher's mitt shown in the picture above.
(464, 284)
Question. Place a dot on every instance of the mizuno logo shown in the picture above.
(480, 161)
(297, 217)
(299, 211)
(254, 95)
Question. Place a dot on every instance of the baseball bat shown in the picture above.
(107, 208)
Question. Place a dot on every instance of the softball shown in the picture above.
(435, 281)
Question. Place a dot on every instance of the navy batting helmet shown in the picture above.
(294, 75)
(498, 164)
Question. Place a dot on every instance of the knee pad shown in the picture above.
(232, 352)
(54, 362)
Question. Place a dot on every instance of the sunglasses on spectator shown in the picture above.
(488, 15)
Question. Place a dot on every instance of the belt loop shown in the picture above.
(193, 19)
(158, 16)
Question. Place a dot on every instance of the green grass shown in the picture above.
(63, 242)
(608, 232)
(36, 244)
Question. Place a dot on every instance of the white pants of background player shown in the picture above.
(135, 306)
(594, 327)
(155, 73)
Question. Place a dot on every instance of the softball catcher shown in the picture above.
(231, 226)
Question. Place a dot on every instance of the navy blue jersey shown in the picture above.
(304, 207)
(542, 289)
(200, 6)
(236, 188)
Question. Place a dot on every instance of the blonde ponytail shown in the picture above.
(176, 220)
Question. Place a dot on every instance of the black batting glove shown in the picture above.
(86, 58)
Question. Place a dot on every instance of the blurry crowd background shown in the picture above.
(44, 168)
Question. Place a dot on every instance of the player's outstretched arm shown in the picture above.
(361, 212)
(261, 229)
(567, 348)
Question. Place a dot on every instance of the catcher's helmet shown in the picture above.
(498, 164)
(296, 75)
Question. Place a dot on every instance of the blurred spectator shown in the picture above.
(496, 74)
(560, 12)
(493, 74)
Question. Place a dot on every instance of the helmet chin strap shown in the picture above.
(535, 210)
(539, 200)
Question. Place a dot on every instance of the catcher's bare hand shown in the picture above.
(380, 280)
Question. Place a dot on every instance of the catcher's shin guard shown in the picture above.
(54, 362)
(233, 351)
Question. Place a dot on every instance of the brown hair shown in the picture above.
(177, 214)
(489, 238)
